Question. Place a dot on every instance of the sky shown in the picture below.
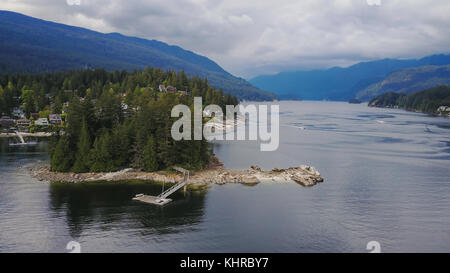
(254, 37)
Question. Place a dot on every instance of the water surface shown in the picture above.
(386, 179)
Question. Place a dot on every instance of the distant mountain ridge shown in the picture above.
(30, 45)
(340, 83)
(407, 81)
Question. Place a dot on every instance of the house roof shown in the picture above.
(54, 117)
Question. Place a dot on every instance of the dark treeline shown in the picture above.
(115, 119)
(427, 101)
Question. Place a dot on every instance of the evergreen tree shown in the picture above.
(100, 155)
(150, 156)
(82, 156)
(2, 101)
(61, 159)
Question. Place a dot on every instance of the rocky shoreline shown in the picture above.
(304, 175)
(41, 134)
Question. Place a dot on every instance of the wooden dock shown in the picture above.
(154, 200)
(162, 199)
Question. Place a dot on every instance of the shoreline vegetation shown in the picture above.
(433, 101)
(114, 120)
(306, 176)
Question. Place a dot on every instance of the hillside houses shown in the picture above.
(42, 122)
(172, 89)
(6, 122)
(162, 88)
(444, 111)
(55, 119)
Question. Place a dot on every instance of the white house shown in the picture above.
(41, 122)
(162, 88)
(17, 112)
(444, 109)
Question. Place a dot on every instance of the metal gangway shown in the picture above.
(177, 186)
(22, 141)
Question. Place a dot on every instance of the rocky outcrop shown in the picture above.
(304, 175)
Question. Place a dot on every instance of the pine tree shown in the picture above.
(2, 101)
(83, 148)
(100, 155)
(150, 156)
(61, 159)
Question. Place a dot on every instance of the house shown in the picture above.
(55, 119)
(41, 122)
(148, 89)
(162, 88)
(17, 112)
(444, 109)
(182, 92)
(23, 125)
(6, 122)
(171, 89)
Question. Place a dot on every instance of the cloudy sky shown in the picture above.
(252, 37)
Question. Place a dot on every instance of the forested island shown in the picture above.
(435, 101)
(114, 120)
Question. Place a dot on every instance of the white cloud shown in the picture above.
(73, 2)
(264, 36)
(374, 2)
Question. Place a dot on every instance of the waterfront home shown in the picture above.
(6, 122)
(23, 125)
(170, 88)
(162, 88)
(55, 119)
(41, 122)
(444, 109)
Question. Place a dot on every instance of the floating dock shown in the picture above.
(154, 200)
(162, 199)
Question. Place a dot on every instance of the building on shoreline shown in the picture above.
(23, 125)
(42, 122)
(55, 119)
(6, 122)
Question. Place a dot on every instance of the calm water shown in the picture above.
(387, 178)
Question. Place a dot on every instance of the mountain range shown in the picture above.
(407, 81)
(30, 45)
(346, 83)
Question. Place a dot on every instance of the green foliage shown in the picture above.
(99, 134)
(82, 160)
(3, 106)
(61, 158)
(427, 101)
(150, 155)
(100, 155)
(29, 102)
(44, 113)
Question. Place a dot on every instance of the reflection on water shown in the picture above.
(110, 203)
(384, 181)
